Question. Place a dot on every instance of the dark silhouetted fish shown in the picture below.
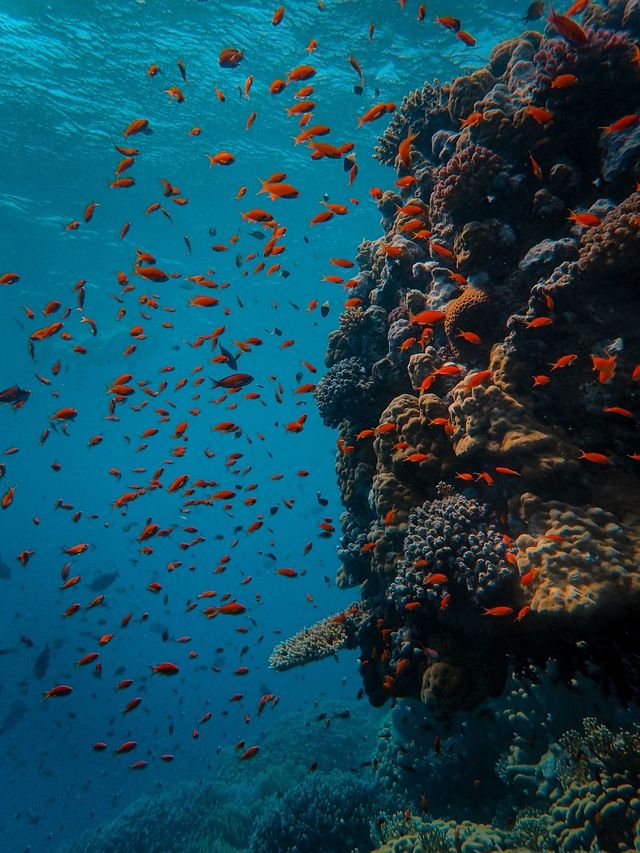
(41, 664)
(231, 361)
(15, 713)
(535, 11)
(101, 582)
(14, 395)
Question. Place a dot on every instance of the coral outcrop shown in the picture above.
(487, 387)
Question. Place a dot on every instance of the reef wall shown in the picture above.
(485, 381)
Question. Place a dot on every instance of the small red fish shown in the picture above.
(164, 669)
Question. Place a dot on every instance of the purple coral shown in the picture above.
(343, 391)
(464, 183)
(458, 537)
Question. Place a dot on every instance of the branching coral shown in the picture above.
(328, 812)
(322, 640)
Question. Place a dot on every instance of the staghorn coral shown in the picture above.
(592, 779)
(419, 835)
(193, 817)
(322, 640)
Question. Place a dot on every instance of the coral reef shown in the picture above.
(191, 818)
(328, 812)
(487, 391)
(488, 457)
(586, 789)
(488, 395)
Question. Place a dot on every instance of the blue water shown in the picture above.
(74, 77)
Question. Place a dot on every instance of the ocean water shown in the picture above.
(259, 491)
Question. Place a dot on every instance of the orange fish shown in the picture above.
(563, 361)
(500, 612)
(136, 126)
(222, 158)
(466, 38)
(230, 57)
(301, 72)
(539, 322)
(622, 123)
(164, 669)
(300, 107)
(586, 220)
(376, 112)
(478, 378)
(567, 28)
(605, 367)
(563, 81)
(596, 458)
(427, 318)
(7, 498)
(175, 92)
(471, 120)
(539, 114)
(535, 167)
(278, 190)
(276, 86)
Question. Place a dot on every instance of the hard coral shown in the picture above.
(345, 387)
(584, 559)
(322, 640)
(464, 183)
(455, 537)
